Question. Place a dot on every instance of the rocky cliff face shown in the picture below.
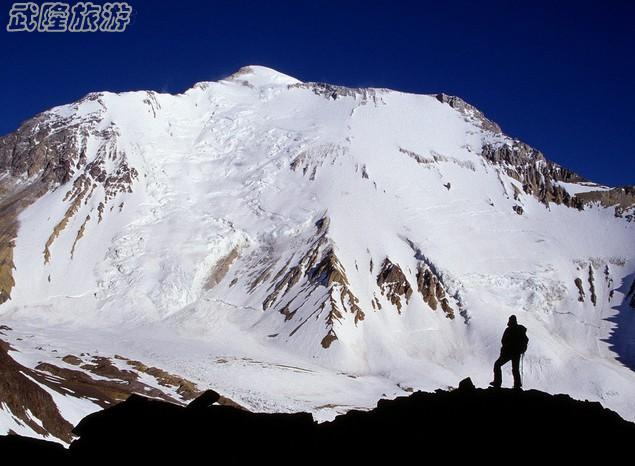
(21, 394)
(393, 284)
(39, 156)
(43, 147)
(13, 201)
(31, 396)
(622, 200)
(537, 176)
(470, 112)
(49, 152)
(433, 291)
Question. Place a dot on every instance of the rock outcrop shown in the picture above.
(221, 268)
(26, 392)
(580, 287)
(330, 91)
(28, 402)
(48, 151)
(434, 159)
(538, 176)
(470, 112)
(11, 204)
(43, 148)
(622, 199)
(318, 273)
(393, 284)
(594, 298)
(40, 154)
(433, 291)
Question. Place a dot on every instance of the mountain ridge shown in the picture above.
(532, 422)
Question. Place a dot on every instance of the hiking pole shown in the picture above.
(522, 365)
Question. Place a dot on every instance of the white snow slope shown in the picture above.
(261, 189)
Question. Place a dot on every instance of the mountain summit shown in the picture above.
(261, 76)
(299, 246)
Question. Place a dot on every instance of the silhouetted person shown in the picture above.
(514, 345)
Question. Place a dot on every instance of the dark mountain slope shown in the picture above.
(466, 423)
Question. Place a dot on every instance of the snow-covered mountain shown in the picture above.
(298, 246)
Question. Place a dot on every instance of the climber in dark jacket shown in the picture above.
(514, 345)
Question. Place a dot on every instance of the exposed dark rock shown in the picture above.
(205, 400)
(288, 314)
(78, 193)
(307, 266)
(393, 283)
(16, 449)
(330, 91)
(322, 225)
(19, 393)
(594, 298)
(427, 286)
(466, 384)
(431, 285)
(328, 339)
(375, 303)
(12, 202)
(472, 418)
(104, 367)
(22, 388)
(308, 161)
(104, 392)
(578, 284)
(518, 209)
(44, 147)
(80, 235)
(45, 152)
(221, 268)
(71, 359)
(623, 199)
(116, 180)
(609, 282)
(288, 280)
(330, 273)
(470, 112)
(537, 175)
(432, 290)
(186, 389)
(476, 420)
(320, 268)
(631, 293)
(435, 158)
(445, 305)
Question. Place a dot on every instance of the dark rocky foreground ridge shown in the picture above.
(466, 423)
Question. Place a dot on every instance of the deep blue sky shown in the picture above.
(557, 74)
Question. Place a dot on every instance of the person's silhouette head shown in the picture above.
(512, 321)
